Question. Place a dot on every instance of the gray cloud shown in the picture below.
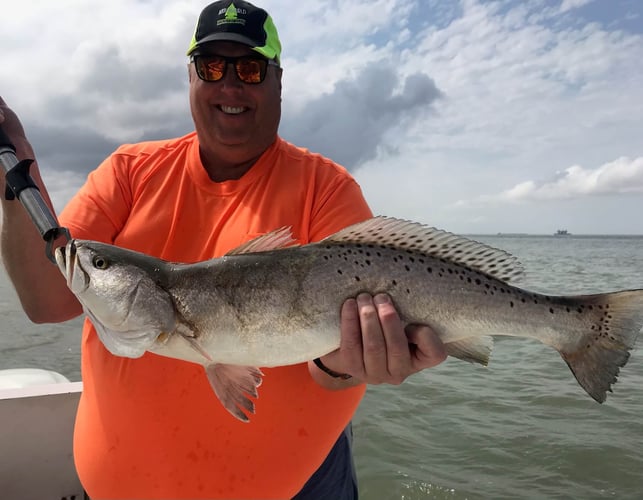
(110, 74)
(351, 123)
(69, 148)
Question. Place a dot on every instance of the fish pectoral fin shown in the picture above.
(197, 347)
(472, 349)
(233, 385)
(184, 330)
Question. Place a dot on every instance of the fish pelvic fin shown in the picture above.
(233, 385)
(473, 349)
(598, 358)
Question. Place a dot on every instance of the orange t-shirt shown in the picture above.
(152, 427)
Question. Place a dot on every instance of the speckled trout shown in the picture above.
(271, 302)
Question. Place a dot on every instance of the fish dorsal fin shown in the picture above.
(279, 238)
(406, 235)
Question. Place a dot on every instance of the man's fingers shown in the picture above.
(398, 356)
(374, 344)
(429, 350)
(351, 340)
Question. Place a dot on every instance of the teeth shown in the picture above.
(232, 110)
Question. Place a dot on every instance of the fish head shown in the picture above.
(122, 293)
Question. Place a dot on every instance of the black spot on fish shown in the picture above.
(429, 270)
(551, 310)
(511, 304)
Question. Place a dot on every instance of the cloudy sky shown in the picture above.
(473, 116)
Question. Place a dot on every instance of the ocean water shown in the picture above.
(521, 428)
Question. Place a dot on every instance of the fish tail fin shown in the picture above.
(596, 360)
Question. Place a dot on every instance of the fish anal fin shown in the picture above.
(274, 240)
(233, 385)
(472, 349)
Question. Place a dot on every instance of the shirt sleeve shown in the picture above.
(100, 208)
(341, 205)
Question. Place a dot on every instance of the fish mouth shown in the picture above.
(66, 258)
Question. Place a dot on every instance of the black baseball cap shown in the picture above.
(237, 21)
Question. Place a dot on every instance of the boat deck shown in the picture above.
(36, 432)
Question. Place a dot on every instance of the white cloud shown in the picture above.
(568, 5)
(622, 176)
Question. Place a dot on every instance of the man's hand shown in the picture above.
(14, 130)
(375, 346)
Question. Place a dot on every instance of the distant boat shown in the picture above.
(562, 232)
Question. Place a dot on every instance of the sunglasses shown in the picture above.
(249, 69)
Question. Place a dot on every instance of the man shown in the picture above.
(151, 427)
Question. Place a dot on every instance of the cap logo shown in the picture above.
(231, 16)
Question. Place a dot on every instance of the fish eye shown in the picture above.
(100, 262)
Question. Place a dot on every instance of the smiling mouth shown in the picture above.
(232, 110)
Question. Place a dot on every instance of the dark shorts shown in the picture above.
(335, 479)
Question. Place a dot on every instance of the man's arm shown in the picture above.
(41, 287)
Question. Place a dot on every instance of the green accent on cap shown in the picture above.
(231, 12)
(272, 48)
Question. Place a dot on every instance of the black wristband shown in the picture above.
(328, 371)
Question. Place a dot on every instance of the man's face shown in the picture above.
(235, 121)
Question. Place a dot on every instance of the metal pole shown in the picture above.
(20, 185)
